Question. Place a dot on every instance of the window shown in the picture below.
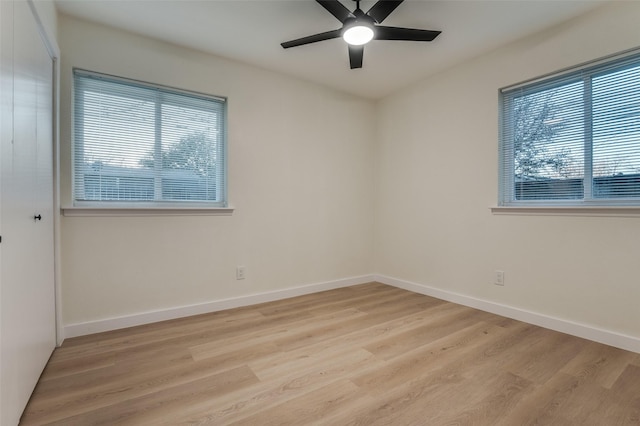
(138, 145)
(573, 138)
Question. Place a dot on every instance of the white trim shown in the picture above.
(146, 211)
(609, 211)
(146, 85)
(54, 53)
(49, 40)
(81, 329)
(585, 331)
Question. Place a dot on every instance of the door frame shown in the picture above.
(53, 50)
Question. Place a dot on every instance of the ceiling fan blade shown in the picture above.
(337, 9)
(410, 34)
(355, 56)
(312, 38)
(382, 9)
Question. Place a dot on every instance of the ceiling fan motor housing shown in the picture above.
(358, 28)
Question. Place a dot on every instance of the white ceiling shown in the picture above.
(250, 31)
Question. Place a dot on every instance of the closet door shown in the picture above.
(26, 216)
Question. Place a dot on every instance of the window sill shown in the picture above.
(612, 211)
(146, 211)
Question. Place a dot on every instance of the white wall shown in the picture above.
(321, 195)
(300, 173)
(437, 178)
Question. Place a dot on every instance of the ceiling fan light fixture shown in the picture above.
(358, 34)
(359, 28)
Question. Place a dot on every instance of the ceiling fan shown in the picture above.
(359, 28)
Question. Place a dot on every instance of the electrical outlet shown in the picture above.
(499, 278)
(241, 272)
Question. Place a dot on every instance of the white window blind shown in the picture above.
(573, 139)
(141, 145)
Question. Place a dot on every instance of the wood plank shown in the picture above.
(342, 342)
(274, 333)
(500, 394)
(270, 393)
(154, 407)
(544, 355)
(310, 408)
(441, 323)
(429, 358)
(149, 378)
(369, 354)
(599, 363)
(624, 407)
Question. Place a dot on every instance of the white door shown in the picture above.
(27, 296)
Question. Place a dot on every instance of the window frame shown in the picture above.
(157, 205)
(507, 202)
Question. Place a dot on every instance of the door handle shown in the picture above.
(39, 217)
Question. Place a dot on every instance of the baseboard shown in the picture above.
(91, 327)
(585, 331)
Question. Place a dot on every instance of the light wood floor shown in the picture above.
(364, 355)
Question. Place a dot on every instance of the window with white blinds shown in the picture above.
(574, 138)
(140, 145)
